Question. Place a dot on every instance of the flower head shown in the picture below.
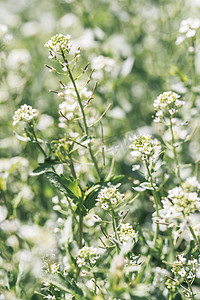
(188, 29)
(86, 255)
(166, 105)
(145, 148)
(59, 43)
(25, 113)
(110, 197)
(185, 268)
(183, 199)
(126, 232)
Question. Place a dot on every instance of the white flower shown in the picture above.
(86, 255)
(145, 148)
(59, 43)
(188, 29)
(110, 196)
(25, 113)
(182, 272)
(126, 232)
(167, 104)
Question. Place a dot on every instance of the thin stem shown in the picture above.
(71, 208)
(83, 115)
(190, 288)
(156, 199)
(36, 140)
(174, 151)
(114, 224)
(80, 231)
(193, 235)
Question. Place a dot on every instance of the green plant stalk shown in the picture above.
(174, 151)
(80, 231)
(83, 115)
(71, 208)
(114, 227)
(36, 140)
(114, 224)
(193, 235)
(190, 288)
(195, 81)
(155, 196)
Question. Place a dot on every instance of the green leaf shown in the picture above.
(72, 185)
(68, 187)
(115, 179)
(22, 138)
(64, 284)
(91, 196)
(41, 169)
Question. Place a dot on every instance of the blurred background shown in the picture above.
(131, 44)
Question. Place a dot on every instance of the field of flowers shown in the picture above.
(99, 149)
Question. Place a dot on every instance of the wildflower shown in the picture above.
(182, 267)
(59, 43)
(25, 113)
(188, 29)
(191, 184)
(184, 201)
(145, 148)
(68, 109)
(182, 272)
(110, 197)
(83, 273)
(86, 255)
(126, 231)
(66, 270)
(135, 167)
(167, 104)
(55, 268)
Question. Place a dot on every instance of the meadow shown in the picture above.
(99, 149)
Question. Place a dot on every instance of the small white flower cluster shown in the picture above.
(86, 255)
(191, 184)
(110, 197)
(25, 113)
(5, 37)
(54, 268)
(68, 109)
(59, 43)
(180, 200)
(188, 29)
(126, 232)
(145, 148)
(159, 279)
(167, 104)
(183, 268)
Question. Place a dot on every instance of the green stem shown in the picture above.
(83, 115)
(80, 231)
(71, 208)
(36, 140)
(114, 224)
(174, 151)
(190, 288)
(193, 235)
(156, 199)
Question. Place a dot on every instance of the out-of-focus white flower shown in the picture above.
(181, 200)
(188, 29)
(25, 113)
(5, 37)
